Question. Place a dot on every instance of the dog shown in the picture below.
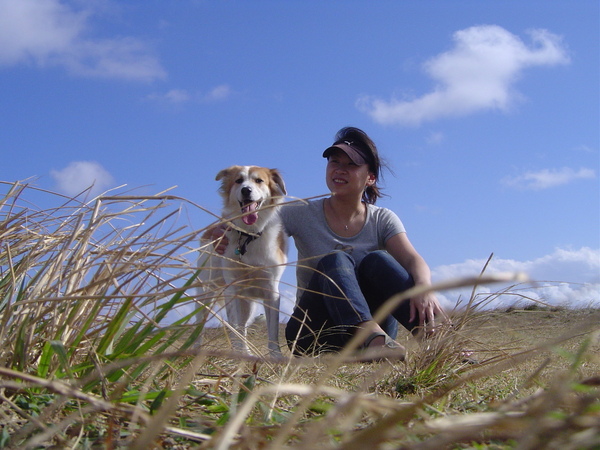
(256, 253)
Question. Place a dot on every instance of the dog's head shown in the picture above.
(251, 192)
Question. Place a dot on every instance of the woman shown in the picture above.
(352, 257)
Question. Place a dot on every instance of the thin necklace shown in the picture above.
(330, 207)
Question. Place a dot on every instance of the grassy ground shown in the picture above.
(91, 355)
(536, 386)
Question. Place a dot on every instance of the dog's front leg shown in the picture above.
(239, 311)
(272, 316)
(207, 291)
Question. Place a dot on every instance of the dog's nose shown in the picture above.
(246, 191)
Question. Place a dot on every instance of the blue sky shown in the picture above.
(487, 112)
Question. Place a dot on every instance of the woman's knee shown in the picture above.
(380, 271)
(337, 257)
(381, 264)
(335, 260)
(376, 257)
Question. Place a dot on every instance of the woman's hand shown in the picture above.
(428, 309)
(217, 236)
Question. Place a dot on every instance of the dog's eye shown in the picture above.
(239, 180)
(259, 180)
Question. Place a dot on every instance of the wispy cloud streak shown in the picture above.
(548, 178)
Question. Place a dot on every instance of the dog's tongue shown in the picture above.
(250, 219)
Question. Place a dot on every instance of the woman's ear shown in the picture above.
(371, 180)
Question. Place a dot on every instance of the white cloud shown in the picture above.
(477, 74)
(584, 149)
(180, 96)
(218, 93)
(174, 96)
(548, 178)
(563, 278)
(52, 33)
(80, 175)
(435, 138)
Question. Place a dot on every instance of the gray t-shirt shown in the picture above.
(306, 223)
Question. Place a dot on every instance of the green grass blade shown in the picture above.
(114, 326)
(63, 358)
(45, 358)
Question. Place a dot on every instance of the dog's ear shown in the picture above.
(223, 173)
(225, 177)
(278, 180)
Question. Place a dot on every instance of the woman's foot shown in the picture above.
(379, 346)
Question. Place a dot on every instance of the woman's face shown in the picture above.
(345, 177)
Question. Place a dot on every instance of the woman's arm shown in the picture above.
(216, 235)
(426, 306)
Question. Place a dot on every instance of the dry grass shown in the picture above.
(536, 387)
(90, 357)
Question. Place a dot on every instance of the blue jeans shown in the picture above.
(341, 295)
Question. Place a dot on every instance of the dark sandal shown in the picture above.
(467, 358)
(390, 350)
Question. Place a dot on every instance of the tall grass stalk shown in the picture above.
(88, 284)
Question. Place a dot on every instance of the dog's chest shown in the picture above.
(256, 250)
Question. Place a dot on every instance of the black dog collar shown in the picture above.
(241, 248)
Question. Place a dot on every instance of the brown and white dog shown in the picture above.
(254, 259)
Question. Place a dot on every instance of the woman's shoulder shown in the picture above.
(299, 204)
(380, 210)
(383, 216)
(298, 208)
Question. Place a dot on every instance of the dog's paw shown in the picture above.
(275, 352)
